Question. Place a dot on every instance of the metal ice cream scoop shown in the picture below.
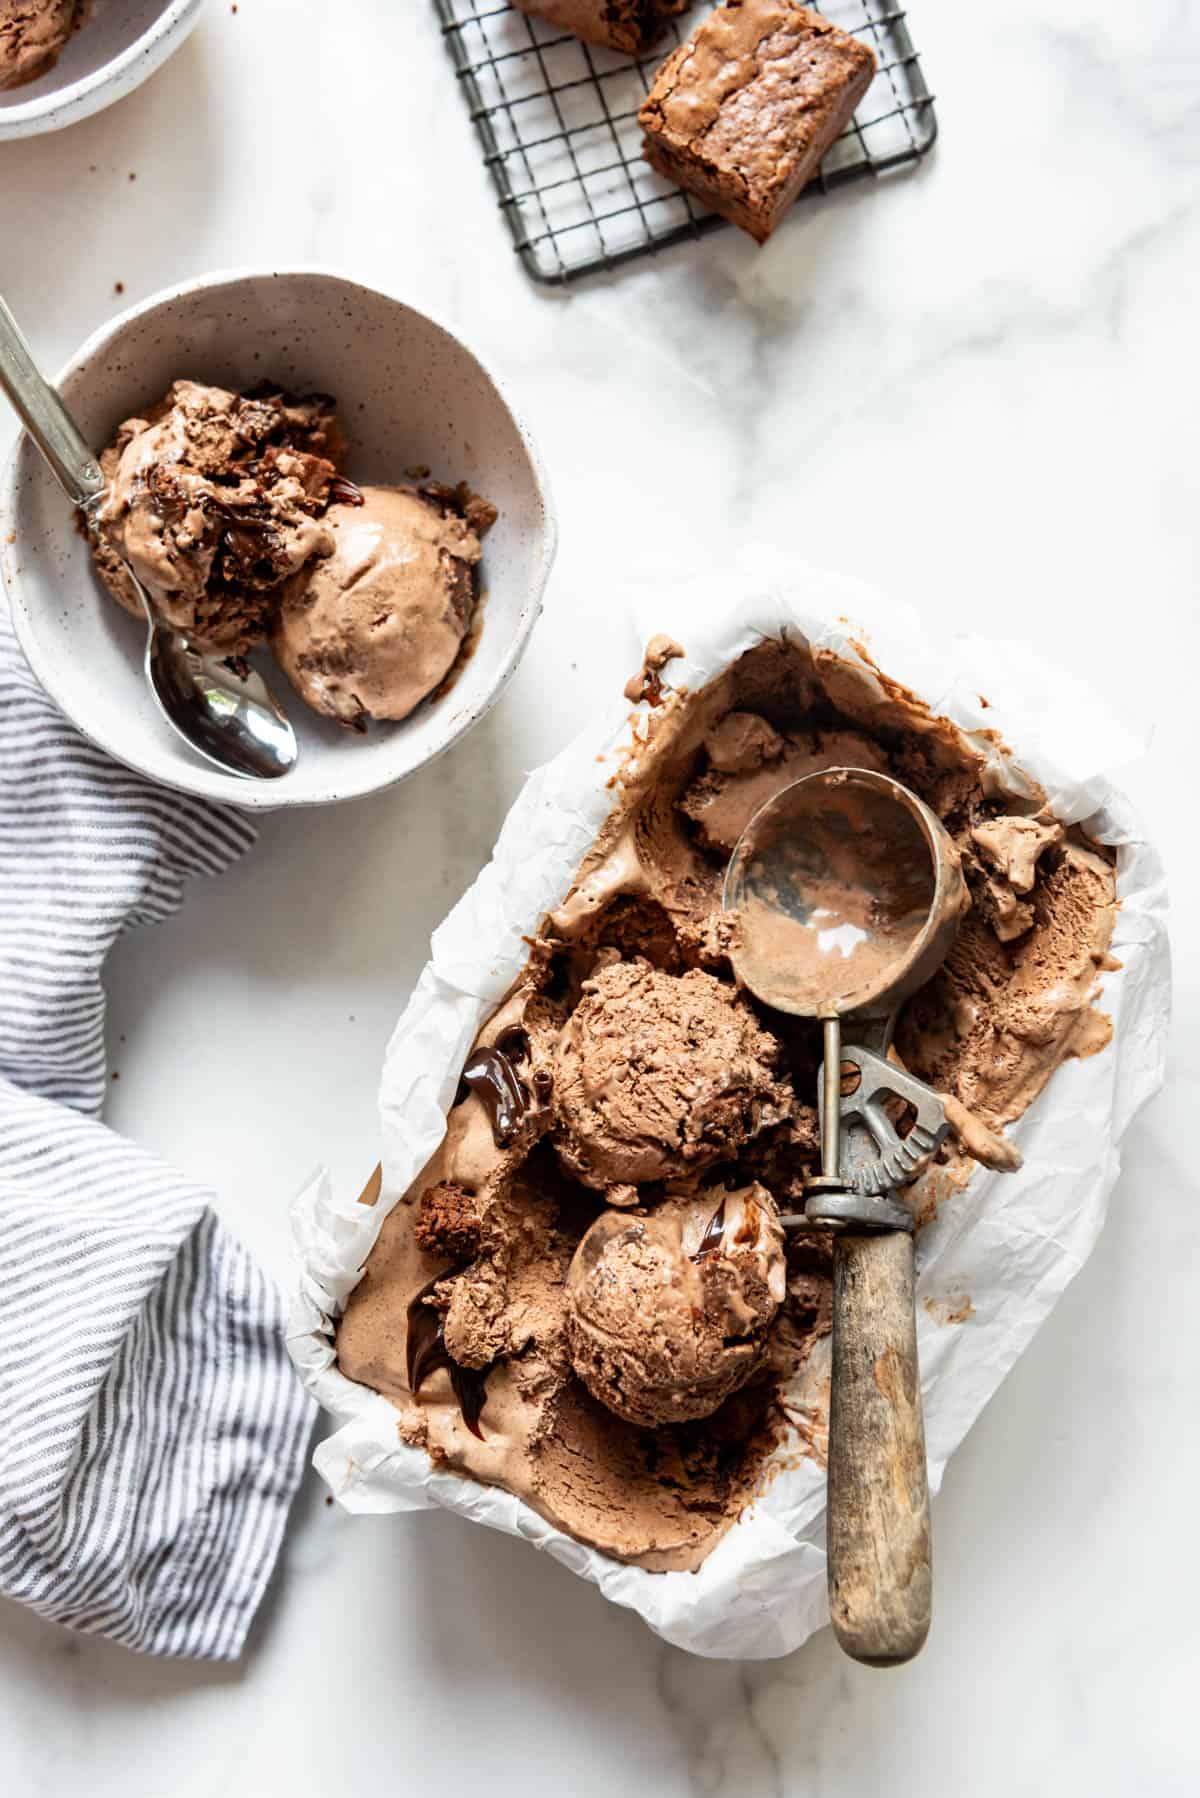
(848, 893)
(229, 717)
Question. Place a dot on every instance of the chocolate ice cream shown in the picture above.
(748, 761)
(370, 629)
(668, 1313)
(214, 501)
(32, 32)
(659, 1075)
(232, 512)
(634, 1396)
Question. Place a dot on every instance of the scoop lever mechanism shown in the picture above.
(870, 1156)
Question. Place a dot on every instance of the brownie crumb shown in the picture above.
(447, 1222)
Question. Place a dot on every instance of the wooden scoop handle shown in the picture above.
(880, 1583)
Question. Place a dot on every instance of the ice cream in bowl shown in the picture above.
(62, 60)
(305, 473)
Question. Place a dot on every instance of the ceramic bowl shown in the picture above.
(409, 393)
(119, 45)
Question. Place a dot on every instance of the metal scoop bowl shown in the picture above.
(847, 894)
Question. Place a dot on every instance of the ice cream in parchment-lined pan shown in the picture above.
(627, 1097)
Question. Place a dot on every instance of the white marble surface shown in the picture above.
(976, 384)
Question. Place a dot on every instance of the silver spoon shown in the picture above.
(232, 720)
(847, 894)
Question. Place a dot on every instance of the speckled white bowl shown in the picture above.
(409, 393)
(119, 45)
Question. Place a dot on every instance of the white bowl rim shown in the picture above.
(205, 781)
(67, 105)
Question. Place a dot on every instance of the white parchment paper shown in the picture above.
(997, 1256)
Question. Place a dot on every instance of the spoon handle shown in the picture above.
(45, 417)
(880, 1585)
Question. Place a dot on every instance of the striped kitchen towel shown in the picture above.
(152, 1431)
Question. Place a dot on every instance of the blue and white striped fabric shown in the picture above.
(152, 1431)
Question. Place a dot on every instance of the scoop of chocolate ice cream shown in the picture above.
(32, 32)
(214, 501)
(659, 1075)
(370, 631)
(668, 1313)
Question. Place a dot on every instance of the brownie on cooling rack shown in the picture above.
(631, 25)
(742, 114)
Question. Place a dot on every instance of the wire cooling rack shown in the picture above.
(557, 120)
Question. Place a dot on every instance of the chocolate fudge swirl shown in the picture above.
(710, 1242)
(495, 1082)
(345, 492)
(427, 1352)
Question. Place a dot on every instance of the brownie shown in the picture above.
(742, 114)
(447, 1222)
(631, 25)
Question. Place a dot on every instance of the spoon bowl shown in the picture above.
(227, 717)
(226, 714)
